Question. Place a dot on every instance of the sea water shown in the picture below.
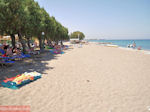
(144, 44)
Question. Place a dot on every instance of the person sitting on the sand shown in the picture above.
(5, 50)
(16, 51)
(58, 48)
(9, 51)
(32, 47)
(51, 45)
(35, 45)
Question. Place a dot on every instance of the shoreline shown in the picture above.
(124, 48)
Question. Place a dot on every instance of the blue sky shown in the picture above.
(103, 19)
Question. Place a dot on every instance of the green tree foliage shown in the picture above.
(77, 34)
(27, 19)
(9, 17)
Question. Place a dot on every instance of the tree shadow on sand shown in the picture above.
(38, 63)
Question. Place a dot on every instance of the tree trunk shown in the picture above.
(40, 44)
(28, 42)
(22, 42)
(43, 42)
(56, 42)
(61, 43)
(13, 41)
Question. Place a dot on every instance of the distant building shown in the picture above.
(75, 40)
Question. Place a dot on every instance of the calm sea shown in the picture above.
(145, 44)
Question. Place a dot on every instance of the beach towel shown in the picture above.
(2, 51)
(20, 80)
(56, 52)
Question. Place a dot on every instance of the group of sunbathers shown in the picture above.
(57, 49)
(7, 51)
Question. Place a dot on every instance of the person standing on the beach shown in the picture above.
(134, 44)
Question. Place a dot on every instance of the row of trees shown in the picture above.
(27, 19)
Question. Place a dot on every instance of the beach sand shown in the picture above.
(93, 78)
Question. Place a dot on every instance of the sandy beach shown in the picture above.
(93, 78)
